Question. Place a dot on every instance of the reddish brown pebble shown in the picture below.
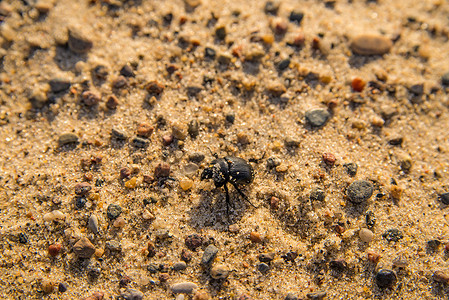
(329, 158)
(167, 139)
(274, 203)
(441, 277)
(373, 256)
(90, 98)
(280, 26)
(163, 277)
(88, 176)
(339, 229)
(446, 248)
(151, 249)
(186, 255)
(82, 188)
(95, 296)
(358, 84)
(120, 82)
(316, 43)
(54, 249)
(162, 170)
(144, 130)
(255, 237)
(148, 178)
(112, 102)
(193, 241)
(124, 281)
(332, 104)
(125, 172)
(299, 40)
(155, 88)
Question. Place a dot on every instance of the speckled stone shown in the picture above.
(359, 191)
(317, 117)
(183, 287)
(209, 255)
(84, 248)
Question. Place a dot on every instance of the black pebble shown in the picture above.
(351, 169)
(370, 219)
(127, 71)
(445, 198)
(433, 244)
(118, 135)
(113, 211)
(263, 267)
(392, 235)
(385, 278)
(317, 194)
(290, 256)
(80, 202)
(62, 287)
(271, 8)
(220, 33)
(209, 53)
(283, 64)
(230, 118)
(296, 16)
(23, 239)
(59, 85)
(396, 141)
(140, 143)
(445, 79)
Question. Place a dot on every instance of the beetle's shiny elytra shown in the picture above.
(234, 170)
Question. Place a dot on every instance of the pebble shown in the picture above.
(396, 141)
(119, 82)
(127, 71)
(90, 98)
(220, 32)
(82, 188)
(290, 256)
(196, 157)
(373, 257)
(201, 295)
(400, 262)
(296, 16)
(276, 89)
(351, 168)
(59, 85)
(338, 265)
(95, 296)
(271, 7)
(113, 246)
(370, 219)
(445, 79)
(359, 191)
(119, 222)
(132, 294)
(445, 198)
(54, 216)
(440, 276)
(317, 117)
(266, 257)
(79, 42)
(92, 224)
(84, 248)
(62, 287)
(54, 249)
(113, 211)
(273, 162)
(209, 53)
(219, 272)
(316, 295)
(371, 44)
(186, 184)
(112, 102)
(263, 268)
(125, 172)
(139, 143)
(144, 130)
(209, 255)
(131, 184)
(190, 169)
(180, 265)
(392, 235)
(186, 255)
(101, 72)
(358, 84)
(118, 134)
(167, 139)
(155, 88)
(183, 287)
(67, 138)
(164, 277)
(291, 296)
(179, 131)
(162, 170)
(366, 235)
(193, 128)
(385, 278)
(47, 286)
(193, 241)
(317, 194)
(255, 237)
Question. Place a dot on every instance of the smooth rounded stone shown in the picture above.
(317, 117)
(219, 272)
(113, 211)
(263, 268)
(132, 294)
(371, 44)
(366, 235)
(54, 216)
(84, 248)
(351, 168)
(445, 79)
(196, 157)
(67, 138)
(316, 295)
(92, 224)
(140, 143)
(190, 169)
(183, 287)
(445, 198)
(179, 266)
(54, 249)
(82, 188)
(193, 241)
(385, 278)
(62, 287)
(209, 255)
(291, 296)
(266, 257)
(118, 134)
(317, 194)
(79, 42)
(359, 191)
(59, 85)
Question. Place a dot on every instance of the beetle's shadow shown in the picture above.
(211, 209)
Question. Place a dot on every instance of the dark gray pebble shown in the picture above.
(359, 191)
(296, 16)
(80, 202)
(62, 287)
(290, 256)
(220, 33)
(196, 157)
(338, 265)
(101, 72)
(67, 138)
(193, 241)
(113, 211)
(113, 246)
(180, 265)
(445, 198)
(291, 296)
(263, 268)
(183, 287)
(140, 143)
(132, 294)
(59, 85)
(118, 134)
(317, 117)
(445, 79)
(78, 41)
(370, 219)
(23, 239)
(351, 168)
(209, 255)
(127, 71)
(273, 162)
(433, 245)
(392, 235)
(193, 91)
(283, 64)
(271, 7)
(209, 53)
(317, 194)
(385, 278)
(153, 268)
(230, 118)
(266, 257)
(82, 188)
(316, 295)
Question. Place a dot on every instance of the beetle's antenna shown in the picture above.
(243, 195)
(257, 160)
(227, 199)
(212, 153)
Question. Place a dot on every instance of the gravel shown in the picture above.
(359, 191)
(84, 248)
(317, 117)
(385, 278)
(209, 255)
(183, 287)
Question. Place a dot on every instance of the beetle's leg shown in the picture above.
(242, 194)
(227, 198)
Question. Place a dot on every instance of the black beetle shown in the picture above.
(230, 169)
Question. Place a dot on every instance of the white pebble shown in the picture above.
(366, 235)
(54, 216)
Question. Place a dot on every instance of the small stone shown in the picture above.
(92, 224)
(329, 158)
(263, 268)
(90, 98)
(370, 219)
(282, 168)
(440, 276)
(132, 294)
(179, 131)
(271, 7)
(392, 235)
(400, 262)
(283, 64)
(55, 215)
(358, 84)
(396, 192)
(396, 141)
(224, 58)
(209, 255)
(67, 138)
(145, 130)
(219, 272)
(62, 287)
(433, 245)
(201, 295)
(80, 202)
(373, 257)
(127, 71)
(186, 255)
(47, 286)
(273, 162)
(113, 246)
(351, 168)
(338, 265)
(243, 138)
(82, 188)
(113, 211)
(167, 139)
(119, 222)
(79, 42)
(290, 256)
(255, 237)
(234, 228)
(193, 91)
(124, 281)
(445, 79)
(279, 26)
(139, 143)
(59, 85)
(179, 266)
(119, 82)
(444, 198)
(162, 170)
(366, 235)
(220, 32)
(54, 249)
(183, 287)
(186, 184)
(266, 257)
(112, 102)
(316, 295)
(190, 169)
(131, 184)
(101, 72)
(95, 296)
(291, 296)
(385, 278)
(193, 241)
(405, 163)
(274, 203)
(359, 191)
(164, 277)
(317, 117)
(317, 194)
(209, 53)
(370, 44)
(291, 143)
(125, 172)
(155, 88)
(296, 16)
(118, 134)
(84, 248)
